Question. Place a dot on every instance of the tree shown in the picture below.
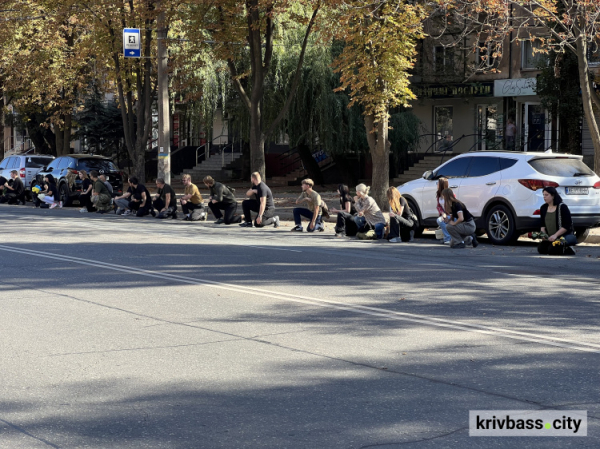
(247, 31)
(380, 45)
(556, 25)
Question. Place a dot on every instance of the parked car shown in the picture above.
(28, 165)
(503, 191)
(65, 171)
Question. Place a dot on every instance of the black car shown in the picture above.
(65, 171)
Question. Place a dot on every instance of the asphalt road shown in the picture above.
(118, 332)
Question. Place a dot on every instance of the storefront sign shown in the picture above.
(454, 90)
(517, 87)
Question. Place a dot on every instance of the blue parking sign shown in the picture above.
(132, 44)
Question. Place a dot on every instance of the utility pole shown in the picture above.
(164, 123)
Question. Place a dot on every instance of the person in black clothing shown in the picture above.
(52, 197)
(85, 197)
(165, 201)
(15, 193)
(222, 198)
(260, 200)
(401, 220)
(345, 224)
(557, 223)
(137, 198)
(460, 223)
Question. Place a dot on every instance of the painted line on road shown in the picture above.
(356, 308)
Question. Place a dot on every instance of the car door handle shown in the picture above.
(454, 187)
(490, 183)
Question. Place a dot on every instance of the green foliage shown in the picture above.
(100, 126)
(404, 131)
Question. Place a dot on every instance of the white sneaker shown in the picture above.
(60, 204)
(53, 205)
(127, 212)
(83, 210)
(396, 240)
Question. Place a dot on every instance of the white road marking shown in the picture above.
(356, 308)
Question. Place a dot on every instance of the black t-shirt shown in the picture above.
(347, 199)
(3, 181)
(162, 193)
(459, 207)
(406, 210)
(53, 191)
(18, 186)
(263, 190)
(136, 192)
(85, 184)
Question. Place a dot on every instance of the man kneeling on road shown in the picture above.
(312, 211)
(191, 201)
(260, 199)
(137, 198)
(15, 193)
(222, 198)
(100, 195)
(165, 201)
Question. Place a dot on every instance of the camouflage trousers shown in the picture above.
(102, 202)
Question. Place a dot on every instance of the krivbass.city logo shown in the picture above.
(528, 423)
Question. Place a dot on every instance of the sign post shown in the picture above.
(164, 122)
(132, 44)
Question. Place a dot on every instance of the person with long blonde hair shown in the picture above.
(462, 229)
(401, 220)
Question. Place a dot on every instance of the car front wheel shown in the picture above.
(500, 225)
(65, 195)
(419, 229)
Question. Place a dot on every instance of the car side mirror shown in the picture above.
(428, 174)
(44, 168)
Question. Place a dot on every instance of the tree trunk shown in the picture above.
(586, 98)
(380, 155)
(2, 128)
(59, 137)
(257, 142)
(67, 134)
(139, 162)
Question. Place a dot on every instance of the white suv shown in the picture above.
(503, 191)
(28, 165)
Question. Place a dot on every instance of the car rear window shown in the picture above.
(97, 164)
(37, 162)
(564, 167)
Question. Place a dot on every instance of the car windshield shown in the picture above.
(563, 167)
(101, 165)
(37, 162)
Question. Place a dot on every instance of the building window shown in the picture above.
(532, 58)
(443, 60)
(443, 123)
(594, 54)
(487, 56)
(487, 127)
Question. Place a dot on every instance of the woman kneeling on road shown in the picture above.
(368, 216)
(557, 224)
(460, 223)
(401, 221)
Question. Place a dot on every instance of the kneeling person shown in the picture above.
(165, 201)
(192, 202)
(100, 195)
(222, 198)
(260, 200)
(312, 211)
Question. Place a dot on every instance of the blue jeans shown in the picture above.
(300, 212)
(363, 226)
(443, 225)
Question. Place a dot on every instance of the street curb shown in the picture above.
(593, 239)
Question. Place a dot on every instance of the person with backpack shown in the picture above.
(557, 224)
(460, 223)
(165, 201)
(222, 198)
(312, 211)
(401, 218)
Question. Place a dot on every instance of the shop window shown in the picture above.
(443, 123)
(533, 58)
(487, 126)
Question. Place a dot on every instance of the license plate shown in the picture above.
(576, 190)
